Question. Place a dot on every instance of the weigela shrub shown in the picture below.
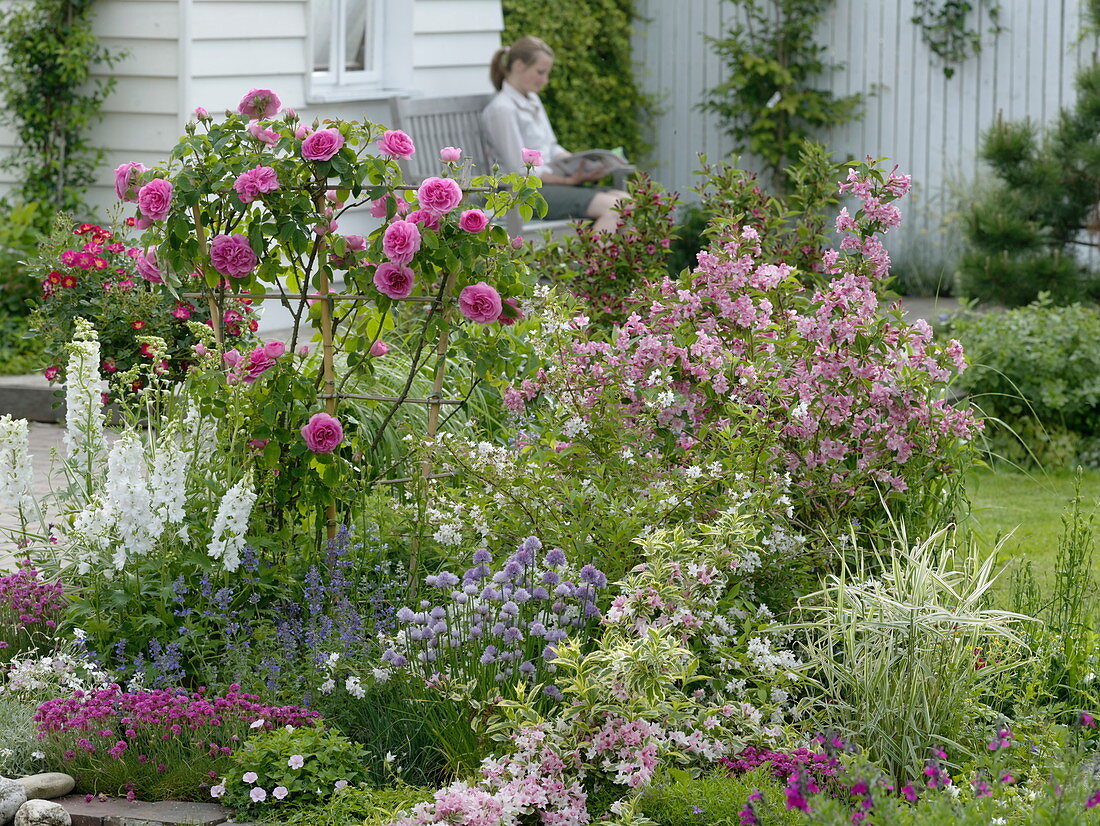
(291, 765)
(823, 385)
(93, 273)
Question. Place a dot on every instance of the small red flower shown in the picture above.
(137, 325)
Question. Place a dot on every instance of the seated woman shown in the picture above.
(515, 120)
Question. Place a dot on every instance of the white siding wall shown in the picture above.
(919, 119)
(188, 53)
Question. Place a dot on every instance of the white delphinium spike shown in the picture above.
(16, 472)
(168, 482)
(92, 534)
(84, 441)
(231, 522)
(137, 524)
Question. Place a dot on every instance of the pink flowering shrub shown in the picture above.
(30, 609)
(848, 400)
(109, 734)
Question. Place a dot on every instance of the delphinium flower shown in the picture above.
(168, 480)
(497, 625)
(84, 440)
(231, 522)
(16, 472)
(137, 525)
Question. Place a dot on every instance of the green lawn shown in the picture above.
(1030, 507)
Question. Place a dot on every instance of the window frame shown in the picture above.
(392, 72)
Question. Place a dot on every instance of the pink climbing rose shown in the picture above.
(473, 220)
(124, 180)
(146, 263)
(379, 348)
(255, 182)
(322, 145)
(531, 157)
(396, 144)
(440, 195)
(232, 255)
(259, 103)
(394, 280)
(479, 302)
(450, 154)
(401, 241)
(323, 433)
(263, 134)
(155, 199)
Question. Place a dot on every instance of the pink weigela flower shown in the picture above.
(232, 255)
(259, 103)
(124, 180)
(155, 199)
(401, 241)
(322, 145)
(440, 195)
(322, 433)
(473, 220)
(394, 280)
(479, 302)
(255, 182)
(396, 144)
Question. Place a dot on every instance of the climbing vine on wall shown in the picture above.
(945, 28)
(50, 98)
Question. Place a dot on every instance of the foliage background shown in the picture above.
(593, 99)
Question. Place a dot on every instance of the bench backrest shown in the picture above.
(437, 122)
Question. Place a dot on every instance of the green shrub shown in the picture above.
(714, 800)
(1036, 370)
(593, 99)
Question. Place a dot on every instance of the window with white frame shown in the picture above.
(357, 46)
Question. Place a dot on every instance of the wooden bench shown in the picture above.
(455, 121)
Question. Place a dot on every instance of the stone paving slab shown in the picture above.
(118, 812)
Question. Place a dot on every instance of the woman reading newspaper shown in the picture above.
(515, 121)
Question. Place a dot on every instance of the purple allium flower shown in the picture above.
(554, 558)
(489, 656)
(509, 609)
(531, 545)
(482, 555)
(527, 667)
(539, 593)
(551, 578)
(592, 575)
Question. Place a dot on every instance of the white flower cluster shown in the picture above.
(231, 522)
(770, 662)
(84, 441)
(16, 472)
(63, 671)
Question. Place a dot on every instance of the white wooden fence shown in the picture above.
(926, 123)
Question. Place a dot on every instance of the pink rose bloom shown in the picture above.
(334, 197)
(394, 280)
(473, 220)
(532, 157)
(263, 134)
(147, 266)
(356, 243)
(155, 199)
(51, 372)
(517, 242)
(232, 255)
(378, 206)
(323, 433)
(142, 223)
(259, 103)
(379, 348)
(302, 132)
(201, 113)
(396, 144)
(259, 362)
(479, 302)
(274, 349)
(510, 312)
(440, 195)
(450, 154)
(322, 145)
(401, 241)
(124, 180)
(255, 182)
(425, 217)
(231, 357)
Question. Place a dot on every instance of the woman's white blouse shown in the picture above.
(514, 122)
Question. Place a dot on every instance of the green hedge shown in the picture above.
(592, 99)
